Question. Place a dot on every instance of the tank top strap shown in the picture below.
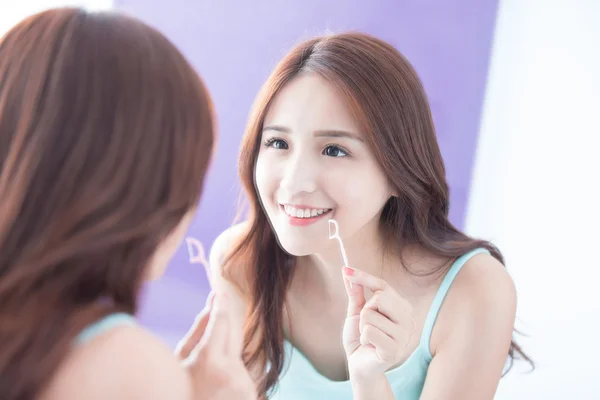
(104, 325)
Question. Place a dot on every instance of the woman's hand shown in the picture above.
(376, 332)
(212, 354)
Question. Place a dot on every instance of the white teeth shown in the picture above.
(304, 212)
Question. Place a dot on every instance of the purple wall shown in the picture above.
(234, 45)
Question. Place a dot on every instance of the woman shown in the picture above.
(342, 130)
(106, 133)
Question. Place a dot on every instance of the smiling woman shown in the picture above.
(343, 130)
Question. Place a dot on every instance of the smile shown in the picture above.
(302, 216)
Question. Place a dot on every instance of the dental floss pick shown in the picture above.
(339, 239)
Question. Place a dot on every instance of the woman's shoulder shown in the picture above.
(123, 363)
(483, 275)
(220, 250)
(225, 242)
(482, 298)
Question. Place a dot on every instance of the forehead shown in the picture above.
(309, 102)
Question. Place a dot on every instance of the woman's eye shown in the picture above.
(334, 151)
(276, 144)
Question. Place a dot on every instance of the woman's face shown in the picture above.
(314, 164)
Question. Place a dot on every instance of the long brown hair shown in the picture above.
(387, 99)
(106, 133)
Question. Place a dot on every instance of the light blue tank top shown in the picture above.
(104, 325)
(301, 381)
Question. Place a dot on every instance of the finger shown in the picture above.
(377, 320)
(216, 337)
(397, 310)
(356, 298)
(236, 337)
(187, 344)
(385, 346)
(195, 333)
(356, 276)
(385, 299)
(389, 303)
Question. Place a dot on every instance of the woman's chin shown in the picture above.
(298, 247)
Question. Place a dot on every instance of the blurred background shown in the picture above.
(515, 90)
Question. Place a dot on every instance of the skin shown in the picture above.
(129, 362)
(313, 155)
